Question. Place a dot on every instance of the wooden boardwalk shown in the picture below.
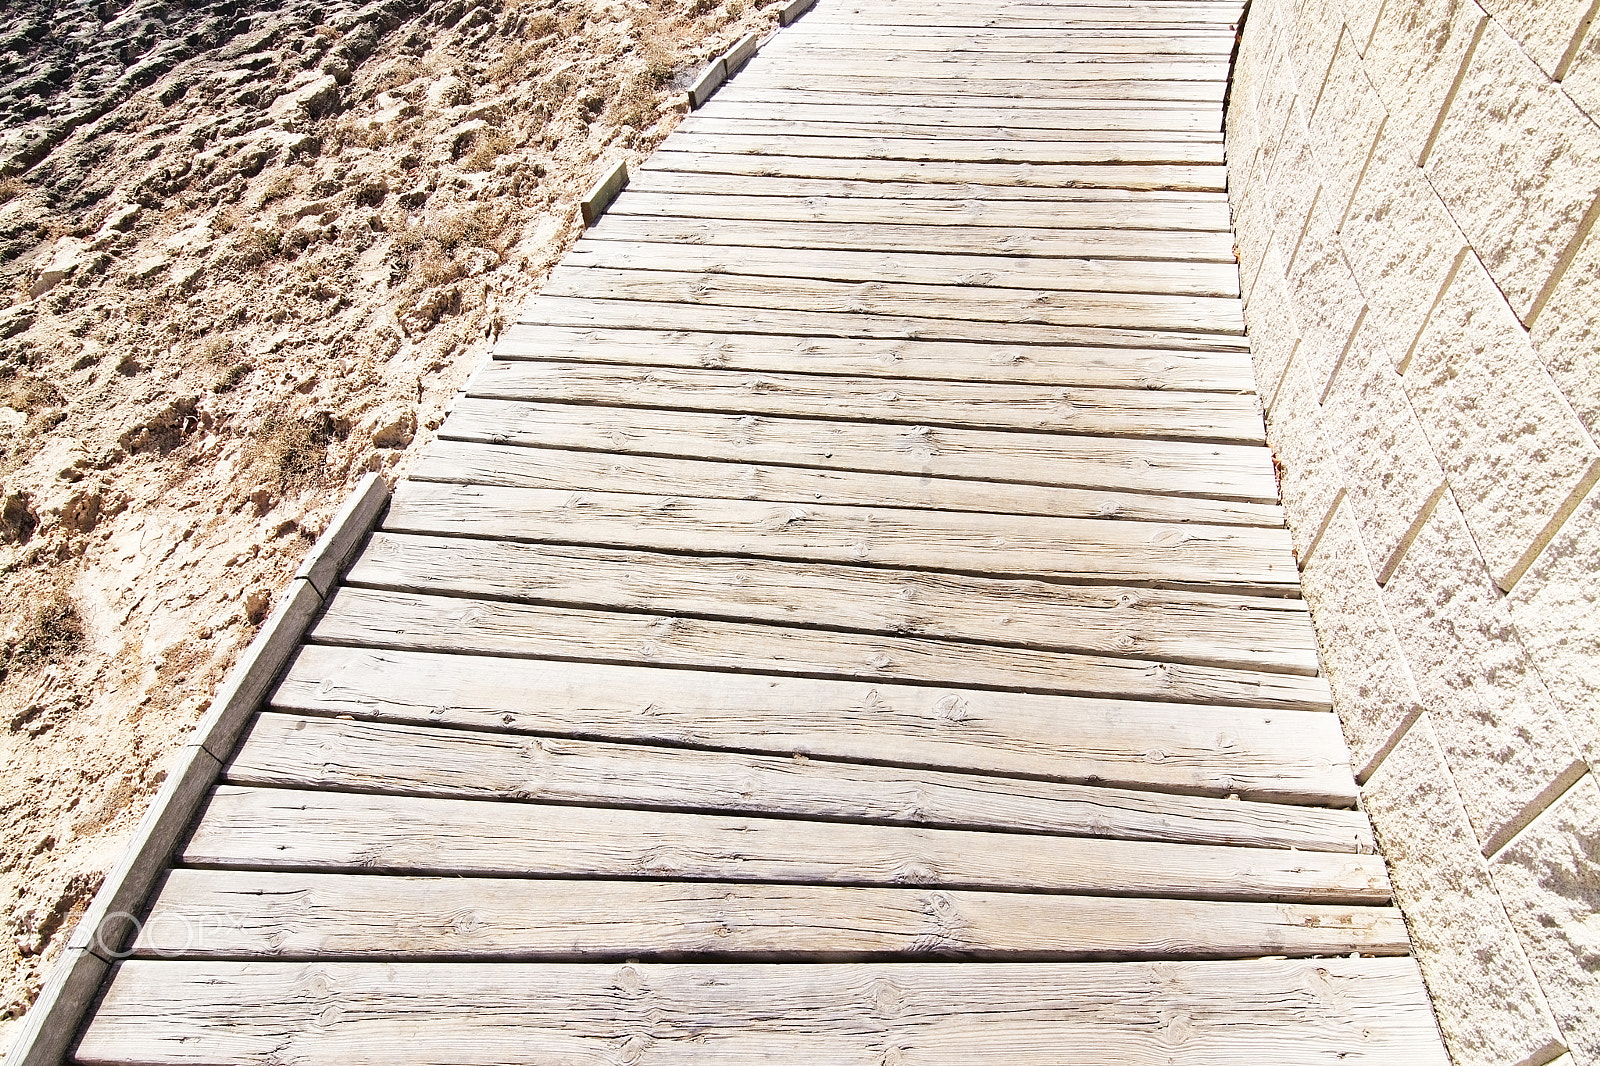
(849, 620)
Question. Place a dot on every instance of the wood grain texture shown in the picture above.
(298, 751)
(212, 913)
(789, 163)
(825, 39)
(292, 829)
(1158, 215)
(1019, 121)
(1140, 368)
(1253, 632)
(1126, 414)
(1168, 468)
(1045, 198)
(1121, 92)
(865, 126)
(934, 149)
(1014, 272)
(474, 463)
(732, 318)
(398, 620)
(1325, 1012)
(1046, 245)
(1221, 558)
(1291, 756)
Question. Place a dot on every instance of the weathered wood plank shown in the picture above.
(1123, 92)
(1124, 413)
(973, 307)
(332, 916)
(1054, 275)
(803, 128)
(1019, 121)
(929, 360)
(1219, 558)
(1249, 632)
(1292, 756)
(935, 149)
(996, 105)
(1044, 199)
(295, 751)
(1034, 175)
(1326, 1012)
(468, 462)
(374, 618)
(1160, 215)
(831, 39)
(808, 461)
(581, 312)
(1051, 246)
(1047, 71)
(273, 828)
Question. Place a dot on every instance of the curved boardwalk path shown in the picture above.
(849, 620)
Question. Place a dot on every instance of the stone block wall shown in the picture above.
(1415, 186)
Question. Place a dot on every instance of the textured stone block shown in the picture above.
(1327, 301)
(1514, 454)
(1566, 335)
(1400, 242)
(1361, 17)
(1345, 122)
(1544, 29)
(1518, 164)
(1549, 879)
(1278, 96)
(1241, 144)
(1416, 51)
(1487, 999)
(1309, 477)
(1389, 470)
(1371, 684)
(1294, 182)
(1317, 26)
(1556, 609)
(1582, 82)
(1504, 738)
(1270, 325)
(1252, 230)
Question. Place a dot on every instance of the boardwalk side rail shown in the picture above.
(111, 922)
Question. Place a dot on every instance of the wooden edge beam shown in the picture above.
(112, 919)
(603, 191)
(739, 53)
(714, 74)
(793, 10)
(348, 527)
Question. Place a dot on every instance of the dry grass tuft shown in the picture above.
(52, 630)
(290, 451)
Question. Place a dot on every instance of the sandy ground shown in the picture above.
(248, 250)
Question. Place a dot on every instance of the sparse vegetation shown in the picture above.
(51, 630)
